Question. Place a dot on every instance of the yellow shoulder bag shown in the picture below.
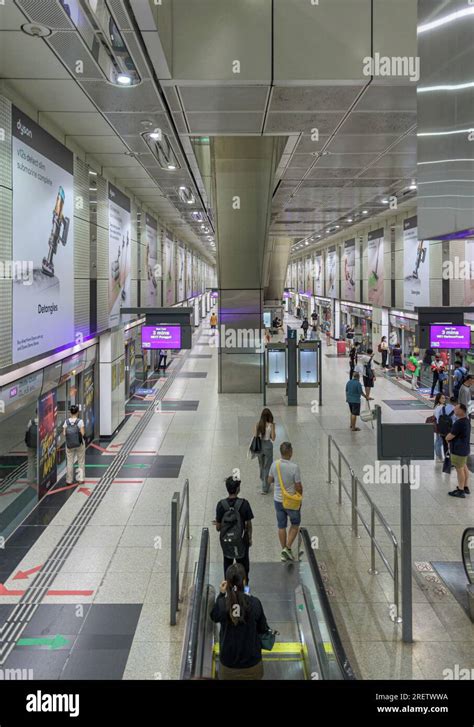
(290, 502)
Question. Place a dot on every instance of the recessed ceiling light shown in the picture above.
(306, 243)
(413, 185)
(385, 200)
(349, 219)
(124, 80)
(91, 171)
(365, 212)
(171, 166)
(156, 135)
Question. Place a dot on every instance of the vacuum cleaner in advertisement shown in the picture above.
(59, 233)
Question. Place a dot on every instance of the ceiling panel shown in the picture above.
(101, 144)
(22, 56)
(364, 122)
(126, 172)
(76, 124)
(54, 95)
(314, 98)
(10, 17)
(289, 123)
(388, 98)
(223, 98)
(225, 123)
(355, 143)
(113, 99)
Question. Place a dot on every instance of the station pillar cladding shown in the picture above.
(243, 172)
(445, 152)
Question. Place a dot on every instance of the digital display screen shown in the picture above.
(267, 319)
(161, 337)
(449, 336)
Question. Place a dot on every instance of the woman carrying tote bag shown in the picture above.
(265, 431)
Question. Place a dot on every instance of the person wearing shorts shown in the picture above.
(368, 366)
(459, 440)
(291, 477)
(354, 392)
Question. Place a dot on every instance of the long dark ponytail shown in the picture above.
(266, 417)
(237, 602)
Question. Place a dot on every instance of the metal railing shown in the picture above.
(179, 531)
(375, 515)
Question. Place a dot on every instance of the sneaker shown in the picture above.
(457, 493)
(289, 554)
(467, 491)
(284, 556)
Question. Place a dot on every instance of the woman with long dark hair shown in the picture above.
(265, 430)
(242, 621)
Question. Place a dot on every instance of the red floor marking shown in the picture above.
(4, 591)
(22, 574)
(68, 487)
(101, 449)
(11, 492)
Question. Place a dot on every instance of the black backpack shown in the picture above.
(73, 434)
(231, 531)
(445, 422)
(31, 436)
(368, 371)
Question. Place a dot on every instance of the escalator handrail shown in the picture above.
(466, 547)
(339, 651)
(200, 585)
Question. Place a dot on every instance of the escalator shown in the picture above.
(295, 602)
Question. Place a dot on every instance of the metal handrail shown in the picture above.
(179, 530)
(353, 495)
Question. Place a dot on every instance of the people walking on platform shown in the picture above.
(414, 366)
(313, 335)
(163, 358)
(439, 375)
(444, 415)
(74, 433)
(367, 361)
(398, 361)
(265, 431)
(465, 392)
(288, 497)
(383, 349)
(242, 622)
(31, 441)
(459, 440)
(459, 374)
(305, 326)
(354, 392)
(213, 321)
(428, 358)
(353, 357)
(234, 524)
(314, 317)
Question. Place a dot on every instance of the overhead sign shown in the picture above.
(448, 336)
(163, 336)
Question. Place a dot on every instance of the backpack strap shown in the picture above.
(225, 505)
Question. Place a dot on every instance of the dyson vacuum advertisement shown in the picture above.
(416, 266)
(119, 254)
(375, 262)
(43, 240)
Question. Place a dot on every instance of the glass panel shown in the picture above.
(276, 367)
(308, 367)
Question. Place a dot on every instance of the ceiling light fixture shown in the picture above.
(365, 212)
(92, 173)
(156, 135)
(124, 80)
(413, 185)
(36, 30)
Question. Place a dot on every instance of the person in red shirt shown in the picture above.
(439, 374)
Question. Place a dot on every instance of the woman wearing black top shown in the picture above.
(242, 620)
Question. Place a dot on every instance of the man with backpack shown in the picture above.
(31, 441)
(459, 374)
(368, 372)
(234, 524)
(74, 433)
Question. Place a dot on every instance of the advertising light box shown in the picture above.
(161, 337)
(449, 336)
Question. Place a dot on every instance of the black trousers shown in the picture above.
(244, 561)
(351, 369)
(436, 380)
(384, 359)
(162, 358)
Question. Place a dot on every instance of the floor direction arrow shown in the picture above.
(26, 573)
(54, 642)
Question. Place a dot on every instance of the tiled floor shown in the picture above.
(123, 555)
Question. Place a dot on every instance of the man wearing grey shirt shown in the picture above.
(291, 478)
(464, 396)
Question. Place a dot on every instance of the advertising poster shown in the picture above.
(416, 267)
(153, 271)
(168, 273)
(348, 271)
(308, 276)
(300, 276)
(194, 276)
(88, 407)
(43, 240)
(180, 259)
(331, 273)
(119, 253)
(47, 415)
(375, 251)
(189, 274)
(318, 275)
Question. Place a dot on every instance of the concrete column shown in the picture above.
(112, 381)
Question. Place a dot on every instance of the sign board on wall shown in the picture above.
(416, 267)
(119, 253)
(331, 273)
(348, 271)
(375, 263)
(308, 276)
(181, 273)
(47, 415)
(43, 240)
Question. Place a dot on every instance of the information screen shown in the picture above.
(267, 319)
(449, 336)
(161, 337)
